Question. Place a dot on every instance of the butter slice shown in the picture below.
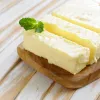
(74, 33)
(86, 17)
(57, 50)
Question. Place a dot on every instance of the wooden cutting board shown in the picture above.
(86, 76)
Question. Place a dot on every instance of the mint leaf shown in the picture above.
(39, 27)
(31, 23)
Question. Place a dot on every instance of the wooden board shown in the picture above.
(86, 76)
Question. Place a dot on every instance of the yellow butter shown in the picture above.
(57, 50)
(86, 17)
(74, 33)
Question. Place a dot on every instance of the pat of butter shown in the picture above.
(57, 50)
(74, 33)
(86, 17)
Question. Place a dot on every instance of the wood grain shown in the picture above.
(4, 3)
(58, 92)
(58, 74)
(47, 91)
(10, 56)
(9, 5)
(10, 49)
(21, 13)
(90, 91)
(46, 7)
(15, 81)
(98, 97)
(35, 88)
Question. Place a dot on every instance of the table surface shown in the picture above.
(18, 81)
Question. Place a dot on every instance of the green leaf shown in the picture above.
(39, 27)
(31, 23)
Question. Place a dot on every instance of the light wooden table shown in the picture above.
(17, 80)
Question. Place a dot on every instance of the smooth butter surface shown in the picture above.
(74, 33)
(57, 50)
(86, 17)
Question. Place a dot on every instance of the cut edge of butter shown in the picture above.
(57, 50)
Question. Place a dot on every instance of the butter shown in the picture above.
(57, 50)
(86, 17)
(76, 34)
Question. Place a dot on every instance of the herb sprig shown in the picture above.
(31, 23)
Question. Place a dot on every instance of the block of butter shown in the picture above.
(57, 50)
(74, 33)
(86, 17)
